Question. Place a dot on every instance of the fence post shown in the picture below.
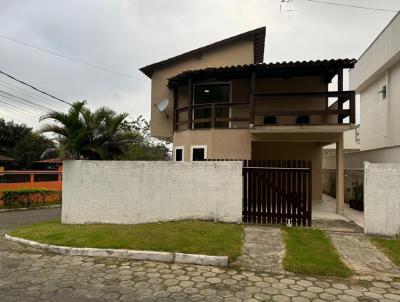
(213, 116)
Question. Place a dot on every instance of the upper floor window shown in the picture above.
(211, 93)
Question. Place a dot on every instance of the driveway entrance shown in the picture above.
(277, 192)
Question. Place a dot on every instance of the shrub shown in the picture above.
(357, 202)
(26, 198)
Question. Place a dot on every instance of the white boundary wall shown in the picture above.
(382, 199)
(130, 192)
(355, 160)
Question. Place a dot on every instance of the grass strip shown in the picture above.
(390, 247)
(310, 252)
(196, 237)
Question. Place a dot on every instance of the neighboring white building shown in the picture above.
(376, 78)
(351, 140)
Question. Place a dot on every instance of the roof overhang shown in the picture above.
(325, 68)
(257, 36)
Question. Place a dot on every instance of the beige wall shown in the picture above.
(234, 53)
(294, 151)
(221, 143)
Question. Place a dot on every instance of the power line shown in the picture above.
(33, 113)
(30, 94)
(72, 58)
(34, 88)
(354, 6)
(23, 101)
(11, 115)
(8, 94)
(17, 109)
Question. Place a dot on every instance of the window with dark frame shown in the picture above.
(208, 94)
(178, 154)
(198, 154)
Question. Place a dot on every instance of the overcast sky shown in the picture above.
(124, 35)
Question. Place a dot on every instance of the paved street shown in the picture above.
(11, 220)
(29, 275)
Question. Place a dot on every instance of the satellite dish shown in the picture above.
(162, 106)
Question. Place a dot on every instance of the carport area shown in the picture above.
(326, 209)
(305, 142)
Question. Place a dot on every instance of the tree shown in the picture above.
(70, 130)
(145, 147)
(30, 148)
(21, 143)
(102, 134)
(10, 134)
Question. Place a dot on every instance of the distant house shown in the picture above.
(5, 161)
(48, 164)
(226, 103)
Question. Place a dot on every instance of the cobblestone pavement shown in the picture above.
(361, 255)
(26, 276)
(263, 249)
(30, 275)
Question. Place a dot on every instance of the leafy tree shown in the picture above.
(145, 146)
(24, 145)
(70, 130)
(103, 134)
(30, 148)
(10, 134)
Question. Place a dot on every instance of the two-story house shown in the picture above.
(226, 103)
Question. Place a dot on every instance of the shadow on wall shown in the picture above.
(353, 186)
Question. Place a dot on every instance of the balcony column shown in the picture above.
(340, 100)
(252, 100)
(190, 94)
(339, 175)
(175, 116)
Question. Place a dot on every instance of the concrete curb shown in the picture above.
(30, 209)
(126, 254)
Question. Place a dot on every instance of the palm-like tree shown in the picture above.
(91, 135)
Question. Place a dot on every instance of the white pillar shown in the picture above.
(339, 175)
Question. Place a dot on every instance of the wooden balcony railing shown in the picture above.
(213, 120)
(242, 114)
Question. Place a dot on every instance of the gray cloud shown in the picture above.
(125, 35)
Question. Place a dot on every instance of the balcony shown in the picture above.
(264, 109)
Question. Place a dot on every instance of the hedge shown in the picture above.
(26, 198)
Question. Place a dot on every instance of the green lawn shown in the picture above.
(391, 247)
(310, 252)
(197, 237)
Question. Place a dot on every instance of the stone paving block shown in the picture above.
(263, 249)
(361, 255)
